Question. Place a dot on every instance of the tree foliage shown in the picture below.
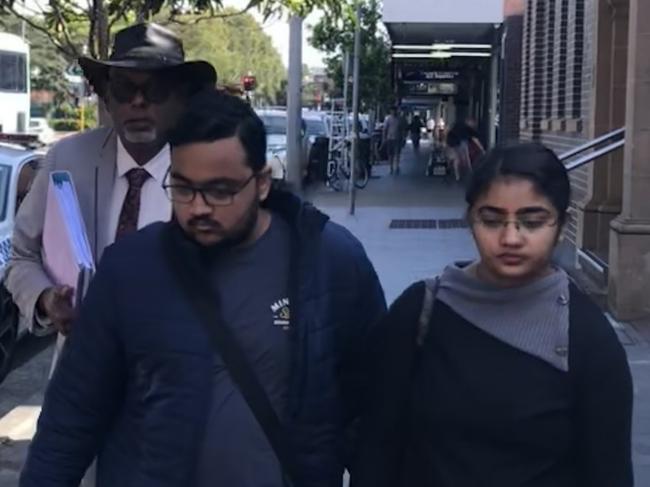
(334, 34)
(73, 26)
(236, 45)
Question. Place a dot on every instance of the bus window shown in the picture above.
(13, 68)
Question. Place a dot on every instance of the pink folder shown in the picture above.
(67, 257)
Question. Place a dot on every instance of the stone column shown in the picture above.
(629, 279)
(604, 198)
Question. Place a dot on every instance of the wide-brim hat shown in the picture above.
(148, 47)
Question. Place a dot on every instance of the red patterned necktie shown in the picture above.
(128, 221)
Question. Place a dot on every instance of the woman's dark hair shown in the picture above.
(213, 115)
(530, 161)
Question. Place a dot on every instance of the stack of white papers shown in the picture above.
(67, 256)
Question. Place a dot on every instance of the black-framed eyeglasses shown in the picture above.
(215, 196)
(155, 90)
(524, 224)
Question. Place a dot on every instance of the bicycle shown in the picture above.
(338, 168)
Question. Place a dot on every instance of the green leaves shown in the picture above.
(96, 20)
(236, 46)
(335, 34)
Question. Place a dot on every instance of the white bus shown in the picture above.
(14, 84)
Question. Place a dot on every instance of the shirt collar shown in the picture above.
(157, 166)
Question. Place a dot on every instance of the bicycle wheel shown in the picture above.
(362, 176)
(334, 179)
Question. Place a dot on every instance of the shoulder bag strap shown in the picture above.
(430, 292)
(198, 292)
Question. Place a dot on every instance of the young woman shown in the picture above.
(517, 379)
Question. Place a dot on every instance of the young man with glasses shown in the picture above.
(223, 348)
(117, 171)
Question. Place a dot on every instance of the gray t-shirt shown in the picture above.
(392, 128)
(253, 287)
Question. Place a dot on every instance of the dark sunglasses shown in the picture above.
(155, 90)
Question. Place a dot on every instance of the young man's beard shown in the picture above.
(240, 234)
(243, 232)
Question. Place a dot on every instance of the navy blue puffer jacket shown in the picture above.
(133, 384)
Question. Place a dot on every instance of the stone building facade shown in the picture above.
(585, 72)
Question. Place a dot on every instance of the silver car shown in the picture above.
(275, 122)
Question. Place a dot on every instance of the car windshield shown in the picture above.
(316, 127)
(5, 173)
(275, 124)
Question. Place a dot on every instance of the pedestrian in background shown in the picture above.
(500, 373)
(475, 148)
(392, 137)
(457, 156)
(403, 128)
(415, 129)
(223, 348)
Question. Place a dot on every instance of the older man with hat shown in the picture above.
(118, 171)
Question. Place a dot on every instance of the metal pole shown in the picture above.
(346, 79)
(294, 108)
(494, 88)
(355, 111)
(346, 90)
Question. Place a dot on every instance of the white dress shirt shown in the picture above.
(154, 204)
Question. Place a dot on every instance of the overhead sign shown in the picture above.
(408, 73)
(436, 88)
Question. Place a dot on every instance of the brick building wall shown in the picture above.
(557, 82)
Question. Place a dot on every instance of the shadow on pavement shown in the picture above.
(12, 457)
(29, 347)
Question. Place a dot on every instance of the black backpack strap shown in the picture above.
(430, 292)
(198, 291)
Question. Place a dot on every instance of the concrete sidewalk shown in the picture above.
(402, 256)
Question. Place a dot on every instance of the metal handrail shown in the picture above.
(593, 143)
(595, 155)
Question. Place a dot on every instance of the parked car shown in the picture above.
(40, 127)
(17, 171)
(275, 122)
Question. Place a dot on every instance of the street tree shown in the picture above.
(334, 34)
(77, 28)
(237, 46)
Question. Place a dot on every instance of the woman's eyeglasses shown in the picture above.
(524, 223)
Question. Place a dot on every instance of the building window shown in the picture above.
(526, 70)
(550, 59)
(560, 71)
(578, 58)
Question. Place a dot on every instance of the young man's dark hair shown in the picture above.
(214, 115)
